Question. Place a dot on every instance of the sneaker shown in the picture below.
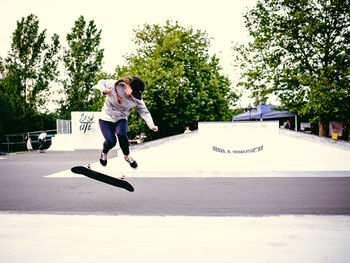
(131, 161)
(103, 159)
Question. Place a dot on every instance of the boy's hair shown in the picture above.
(126, 80)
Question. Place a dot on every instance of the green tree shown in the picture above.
(31, 64)
(183, 82)
(82, 60)
(300, 51)
(26, 74)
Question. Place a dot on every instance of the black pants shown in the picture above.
(42, 143)
(110, 130)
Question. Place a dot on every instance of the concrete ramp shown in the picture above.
(223, 148)
(244, 149)
(62, 142)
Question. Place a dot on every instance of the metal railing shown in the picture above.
(17, 142)
(63, 126)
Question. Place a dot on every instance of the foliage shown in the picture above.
(301, 53)
(82, 60)
(32, 63)
(26, 74)
(183, 83)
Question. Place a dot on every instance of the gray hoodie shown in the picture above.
(113, 111)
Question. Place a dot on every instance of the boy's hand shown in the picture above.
(107, 91)
(155, 128)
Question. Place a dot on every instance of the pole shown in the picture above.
(8, 143)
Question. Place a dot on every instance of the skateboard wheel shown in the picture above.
(88, 166)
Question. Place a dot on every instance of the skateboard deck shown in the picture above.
(103, 178)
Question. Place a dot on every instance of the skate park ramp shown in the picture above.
(235, 149)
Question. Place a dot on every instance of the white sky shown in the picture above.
(221, 19)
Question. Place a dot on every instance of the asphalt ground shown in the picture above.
(25, 188)
(269, 217)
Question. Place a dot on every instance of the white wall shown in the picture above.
(86, 131)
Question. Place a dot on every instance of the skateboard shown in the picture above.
(103, 177)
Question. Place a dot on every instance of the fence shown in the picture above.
(63, 126)
(17, 142)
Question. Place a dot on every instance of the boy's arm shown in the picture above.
(146, 115)
(105, 85)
